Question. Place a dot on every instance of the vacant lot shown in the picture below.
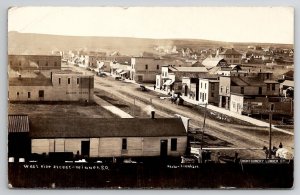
(60, 110)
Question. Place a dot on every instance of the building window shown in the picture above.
(212, 94)
(124, 144)
(205, 96)
(77, 81)
(205, 86)
(201, 85)
(227, 90)
(273, 86)
(173, 144)
(59, 81)
(55, 63)
(157, 67)
(18, 93)
(221, 89)
(69, 80)
(46, 63)
(212, 86)
(268, 87)
(146, 66)
(19, 63)
(242, 90)
(28, 94)
(41, 93)
(38, 62)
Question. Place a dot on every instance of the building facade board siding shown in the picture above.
(65, 87)
(110, 147)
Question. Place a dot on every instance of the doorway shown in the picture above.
(163, 148)
(85, 148)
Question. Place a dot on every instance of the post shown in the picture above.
(203, 126)
(270, 134)
(133, 107)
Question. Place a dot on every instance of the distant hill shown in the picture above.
(43, 43)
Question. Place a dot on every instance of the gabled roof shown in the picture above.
(18, 124)
(288, 83)
(105, 127)
(289, 73)
(198, 64)
(230, 52)
(212, 62)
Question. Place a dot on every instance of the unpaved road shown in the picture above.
(239, 135)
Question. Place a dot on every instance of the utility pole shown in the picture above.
(271, 109)
(133, 107)
(270, 135)
(203, 125)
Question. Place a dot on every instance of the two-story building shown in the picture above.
(181, 79)
(60, 86)
(231, 56)
(209, 91)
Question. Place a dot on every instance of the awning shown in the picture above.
(124, 72)
(119, 70)
(168, 82)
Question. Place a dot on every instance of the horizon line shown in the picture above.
(234, 42)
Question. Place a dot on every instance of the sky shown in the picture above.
(232, 24)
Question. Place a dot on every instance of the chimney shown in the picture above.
(152, 114)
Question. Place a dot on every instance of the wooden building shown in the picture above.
(109, 137)
(60, 86)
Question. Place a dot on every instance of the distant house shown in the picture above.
(231, 56)
(61, 86)
(34, 62)
(109, 137)
(226, 70)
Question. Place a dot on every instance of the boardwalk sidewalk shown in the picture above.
(226, 112)
(107, 106)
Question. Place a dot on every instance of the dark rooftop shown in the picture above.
(105, 127)
(230, 52)
(30, 82)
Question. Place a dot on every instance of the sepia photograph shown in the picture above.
(150, 97)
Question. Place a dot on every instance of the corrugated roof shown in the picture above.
(18, 124)
(105, 127)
